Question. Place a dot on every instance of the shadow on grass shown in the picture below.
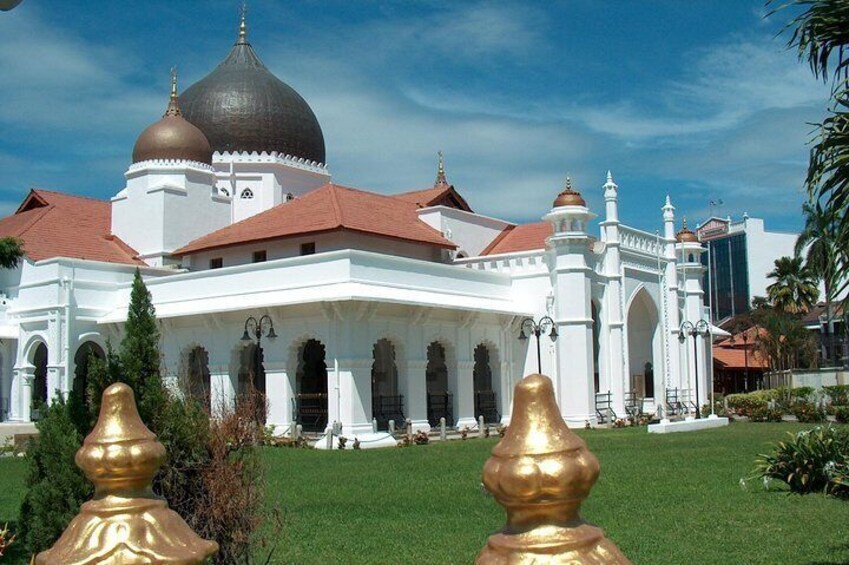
(842, 560)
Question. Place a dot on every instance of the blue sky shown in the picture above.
(700, 100)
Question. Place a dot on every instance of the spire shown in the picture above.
(173, 104)
(609, 176)
(243, 26)
(440, 171)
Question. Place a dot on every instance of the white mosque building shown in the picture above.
(373, 307)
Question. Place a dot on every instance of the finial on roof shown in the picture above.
(568, 183)
(440, 171)
(668, 201)
(609, 176)
(173, 104)
(243, 26)
(684, 223)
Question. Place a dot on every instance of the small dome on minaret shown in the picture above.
(569, 197)
(686, 235)
(173, 137)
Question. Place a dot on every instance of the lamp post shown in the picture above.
(544, 325)
(255, 329)
(700, 328)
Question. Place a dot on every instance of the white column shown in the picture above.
(355, 391)
(278, 391)
(674, 377)
(414, 389)
(464, 400)
(614, 298)
(22, 391)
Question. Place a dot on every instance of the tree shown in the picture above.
(783, 340)
(11, 252)
(820, 33)
(819, 242)
(794, 290)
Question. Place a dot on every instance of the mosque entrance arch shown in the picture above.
(643, 344)
(82, 361)
(440, 401)
(486, 398)
(386, 402)
(311, 387)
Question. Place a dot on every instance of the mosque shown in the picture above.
(343, 305)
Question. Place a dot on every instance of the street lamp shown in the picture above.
(255, 329)
(700, 328)
(746, 360)
(538, 328)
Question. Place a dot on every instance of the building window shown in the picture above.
(260, 256)
(216, 263)
(308, 248)
(224, 191)
(289, 197)
(247, 194)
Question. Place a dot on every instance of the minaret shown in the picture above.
(689, 252)
(571, 275)
(440, 172)
(674, 378)
(613, 378)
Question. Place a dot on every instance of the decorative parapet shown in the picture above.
(530, 262)
(541, 472)
(169, 164)
(125, 523)
(266, 157)
(641, 241)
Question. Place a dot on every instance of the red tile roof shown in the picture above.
(328, 208)
(524, 237)
(54, 224)
(735, 358)
(442, 193)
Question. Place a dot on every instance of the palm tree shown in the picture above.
(820, 34)
(11, 252)
(794, 290)
(819, 237)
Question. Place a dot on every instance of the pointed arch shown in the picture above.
(82, 359)
(440, 375)
(486, 376)
(308, 359)
(195, 375)
(644, 343)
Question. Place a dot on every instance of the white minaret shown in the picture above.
(571, 273)
(689, 252)
(614, 374)
(673, 377)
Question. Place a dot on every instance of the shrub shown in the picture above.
(841, 414)
(807, 412)
(762, 413)
(55, 485)
(839, 394)
(811, 461)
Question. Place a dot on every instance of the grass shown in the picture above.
(665, 499)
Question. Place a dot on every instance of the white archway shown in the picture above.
(644, 346)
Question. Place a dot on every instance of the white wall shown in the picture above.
(471, 232)
(763, 248)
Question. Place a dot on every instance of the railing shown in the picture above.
(633, 404)
(638, 240)
(486, 405)
(387, 408)
(310, 411)
(604, 407)
(440, 405)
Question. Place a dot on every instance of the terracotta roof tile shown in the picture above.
(735, 358)
(54, 224)
(524, 237)
(328, 208)
(444, 194)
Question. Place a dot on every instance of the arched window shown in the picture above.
(224, 191)
(247, 194)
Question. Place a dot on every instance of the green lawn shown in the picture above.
(663, 499)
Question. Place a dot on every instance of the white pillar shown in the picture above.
(674, 377)
(355, 391)
(414, 388)
(22, 393)
(464, 401)
(614, 298)
(279, 395)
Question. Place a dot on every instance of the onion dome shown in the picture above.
(173, 137)
(569, 197)
(686, 235)
(241, 107)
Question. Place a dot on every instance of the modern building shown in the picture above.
(370, 307)
(739, 256)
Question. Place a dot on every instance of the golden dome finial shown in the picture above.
(685, 234)
(173, 104)
(125, 522)
(440, 170)
(541, 472)
(243, 26)
(569, 196)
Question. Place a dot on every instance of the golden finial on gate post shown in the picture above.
(125, 523)
(541, 472)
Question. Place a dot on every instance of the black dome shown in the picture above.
(241, 106)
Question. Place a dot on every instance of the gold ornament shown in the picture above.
(125, 523)
(541, 472)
